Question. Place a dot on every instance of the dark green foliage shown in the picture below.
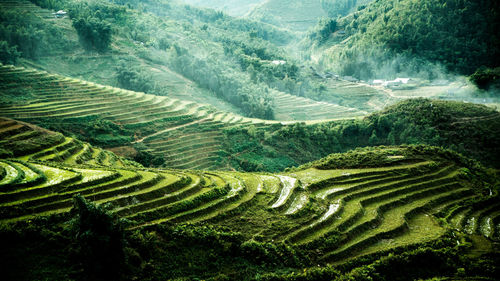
(46, 249)
(146, 158)
(466, 128)
(204, 252)
(246, 152)
(93, 32)
(22, 34)
(32, 144)
(326, 273)
(8, 55)
(99, 242)
(131, 77)
(406, 35)
(323, 30)
(486, 78)
(91, 129)
(233, 87)
(359, 158)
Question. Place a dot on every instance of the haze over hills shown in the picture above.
(249, 140)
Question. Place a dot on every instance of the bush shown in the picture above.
(99, 241)
(8, 55)
(94, 33)
(484, 78)
(133, 78)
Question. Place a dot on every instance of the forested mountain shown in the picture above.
(168, 48)
(412, 36)
(150, 48)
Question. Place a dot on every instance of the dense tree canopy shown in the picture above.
(461, 35)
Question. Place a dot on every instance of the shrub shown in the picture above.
(94, 33)
(8, 55)
(99, 241)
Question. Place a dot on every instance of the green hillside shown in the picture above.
(294, 15)
(196, 55)
(261, 140)
(233, 7)
(163, 131)
(409, 201)
(299, 16)
(401, 37)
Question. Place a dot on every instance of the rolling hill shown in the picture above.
(365, 203)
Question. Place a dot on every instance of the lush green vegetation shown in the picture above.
(404, 36)
(242, 225)
(486, 78)
(26, 35)
(466, 128)
(153, 36)
(353, 180)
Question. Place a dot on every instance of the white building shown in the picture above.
(59, 14)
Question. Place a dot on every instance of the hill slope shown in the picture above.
(233, 8)
(165, 131)
(294, 15)
(404, 36)
(344, 206)
(167, 49)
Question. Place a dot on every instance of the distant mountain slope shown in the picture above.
(294, 15)
(301, 15)
(155, 130)
(235, 8)
(403, 36)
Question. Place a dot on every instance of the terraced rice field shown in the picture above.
(370, 209)
(289, 107)
(26, 6)
(185, 133)
(362, 97)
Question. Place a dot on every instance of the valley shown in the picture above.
(249, 140)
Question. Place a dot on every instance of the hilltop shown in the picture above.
(293, 15)
(300, 16)
(409, 201)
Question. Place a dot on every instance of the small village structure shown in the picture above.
(60, 14)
